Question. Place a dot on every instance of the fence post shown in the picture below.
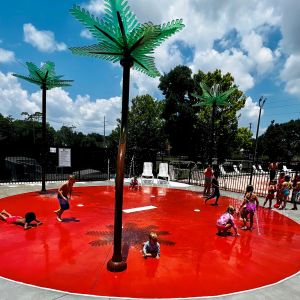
(190, 173)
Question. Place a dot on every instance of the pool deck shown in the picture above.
(10, 290)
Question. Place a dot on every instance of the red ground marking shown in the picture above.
(72, 255)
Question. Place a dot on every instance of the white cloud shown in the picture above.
(6, 56)
(95, 6)
(84, 113)
(43, 40)
(291, 74)
(233, 61)
(249, 114)
(86, 34)
(261, 56)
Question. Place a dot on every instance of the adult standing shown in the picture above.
(273, 167)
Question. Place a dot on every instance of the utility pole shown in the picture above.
(104, 133)
(250, 126)
(261, 103)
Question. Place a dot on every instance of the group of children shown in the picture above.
(281, 190)
(246, 213)
(30, 220)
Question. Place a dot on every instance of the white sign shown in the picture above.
(52, 150)
(64, 157)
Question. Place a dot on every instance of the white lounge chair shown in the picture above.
(260, 169)
(236, 170)
(255, 170)
(285, 169)
(224, 173)
(163, 173)
(147, 175)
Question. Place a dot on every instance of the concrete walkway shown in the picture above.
(10, 290)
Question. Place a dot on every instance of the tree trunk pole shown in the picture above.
(117, 264)
(213, 142)
(44, 139)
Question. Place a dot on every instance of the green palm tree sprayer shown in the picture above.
(121, 38)
(213, 97)
(46, 78)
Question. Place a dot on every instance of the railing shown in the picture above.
(232, 181)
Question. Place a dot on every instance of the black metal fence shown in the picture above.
(230, 178)
(86, 164)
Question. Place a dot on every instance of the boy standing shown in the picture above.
(62, 195)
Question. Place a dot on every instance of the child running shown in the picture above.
(248, 208)
(216, 191)
(226, 222)
(271, 193)
(63, 199)
(18, 220)
(151, 248)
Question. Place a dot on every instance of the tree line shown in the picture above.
(172, 126)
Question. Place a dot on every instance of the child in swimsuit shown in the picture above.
(248, 208)
(226, 222)
(62, 196)
(286, 187)
(296, 195)
(134, 184)
(151, 248)
(18, 220)
(271, 193)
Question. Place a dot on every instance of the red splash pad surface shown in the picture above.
(72, 255)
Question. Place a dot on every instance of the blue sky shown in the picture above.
(257, 41)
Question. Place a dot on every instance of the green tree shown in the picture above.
(145, 130)
(225, 118)
(178, 112)
(243, 142)
(281, 142)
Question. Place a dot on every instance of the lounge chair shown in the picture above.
(260, 169)
(147, 175)
(163, 173)
(236, 170)
(285, 169)
(255, 171)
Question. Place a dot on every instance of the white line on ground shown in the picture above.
(130, 210)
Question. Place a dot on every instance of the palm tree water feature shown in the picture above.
(123, 39)
(213, 97)
(46, 78)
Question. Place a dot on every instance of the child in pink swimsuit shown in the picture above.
(18, 220)
(226, 222)
(248, 207)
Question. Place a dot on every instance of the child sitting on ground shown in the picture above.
(151, 248)
(134, 184)
(18, 220)
(271, 193)
(226, 222)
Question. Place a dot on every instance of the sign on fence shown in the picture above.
(64, 157)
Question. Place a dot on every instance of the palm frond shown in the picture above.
(100, 51)
(168, 29)
(112, 8)
(30, 79)
(103, 31)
